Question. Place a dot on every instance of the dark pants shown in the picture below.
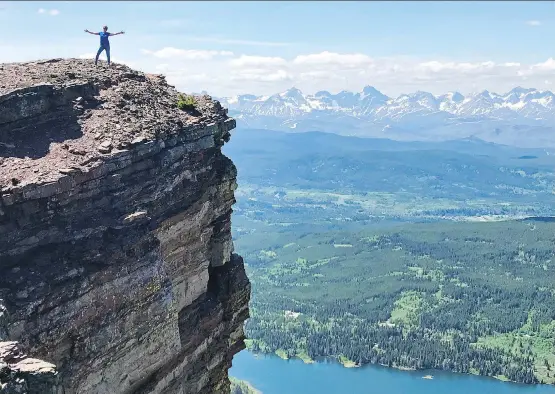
(103, 48)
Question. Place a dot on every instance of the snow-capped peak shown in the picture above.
(293, 93)
(322, 93)
(520, 91)
(372, 105)
(371, 91)
(455, 97)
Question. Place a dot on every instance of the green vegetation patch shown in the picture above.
(346, 362)
(407, 309)
(186, 102)
(535, 340)
(242, 387)
(281, 353)
(432, 295)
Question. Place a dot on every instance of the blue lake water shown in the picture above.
(272, 375)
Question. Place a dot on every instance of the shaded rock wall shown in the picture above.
(116, 257)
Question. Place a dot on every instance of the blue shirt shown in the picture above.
(104, 39)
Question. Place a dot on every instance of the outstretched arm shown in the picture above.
(90, 32)
(115, 34)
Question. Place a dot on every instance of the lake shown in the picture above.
(272, 375)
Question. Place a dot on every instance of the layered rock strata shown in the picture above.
(116, 257)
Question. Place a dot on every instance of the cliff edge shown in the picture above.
(116, 259)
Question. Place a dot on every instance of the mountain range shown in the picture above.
(521, 117)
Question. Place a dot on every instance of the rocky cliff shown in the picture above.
(116, 259)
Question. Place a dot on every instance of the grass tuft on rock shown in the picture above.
(186, 102)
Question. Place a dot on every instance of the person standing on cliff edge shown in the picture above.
(104, 43)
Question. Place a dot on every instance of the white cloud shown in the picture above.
(463, 67)
(221, 73)
(199, 77)
(319, 75)
(509, 64)
(262, 76)
(52, 12)
(548, 65)
(189, 78)
(162, 67)
(188, 54)
(257, 61)
(328, 58)
(533, 23)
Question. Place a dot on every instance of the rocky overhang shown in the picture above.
(116, 259)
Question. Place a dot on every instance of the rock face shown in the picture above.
(22, 374)
(116, 257)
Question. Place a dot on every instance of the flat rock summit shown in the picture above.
(67, 113)
(117, 271)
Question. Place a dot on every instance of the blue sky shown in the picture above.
(395, 46)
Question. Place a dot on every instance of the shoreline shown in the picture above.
(247, 385)
(346, 363)
(399, 367)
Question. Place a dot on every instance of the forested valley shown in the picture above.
(409, 255)
(465, 297)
